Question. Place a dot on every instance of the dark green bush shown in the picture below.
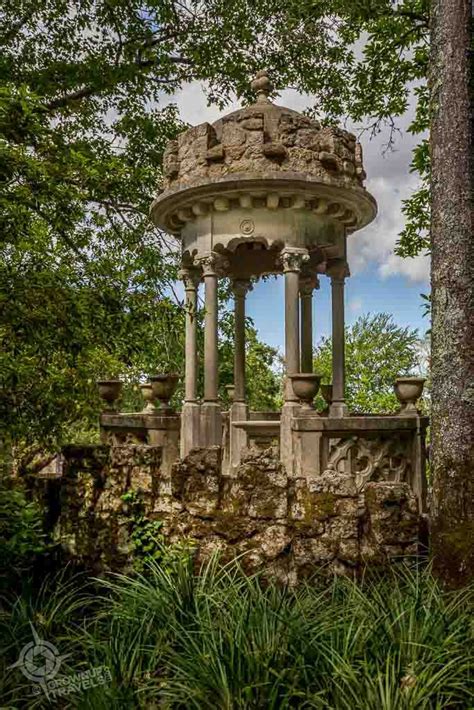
(22, 537)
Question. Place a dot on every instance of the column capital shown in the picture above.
(337, 269)
(308, 283)
(190, 277)
(241, 287)
(293, 258)
(211, 264)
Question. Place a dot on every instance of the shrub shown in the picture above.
(218, 639)
(22, 538)
(147, 539)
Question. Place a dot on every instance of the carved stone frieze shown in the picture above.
(216, 164)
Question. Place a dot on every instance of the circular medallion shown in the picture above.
(247, 226)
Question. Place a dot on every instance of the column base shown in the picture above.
(238, 437)
(338, 410)
(287, 456)
(211, 424)
(190, 427)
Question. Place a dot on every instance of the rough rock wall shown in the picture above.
(287, 527)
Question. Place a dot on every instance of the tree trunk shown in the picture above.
(452, 275)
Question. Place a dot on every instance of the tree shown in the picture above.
(83, 130)
(452, 275)
(377, 352)
(263, 381)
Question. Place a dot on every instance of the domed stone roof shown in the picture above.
(264, 141)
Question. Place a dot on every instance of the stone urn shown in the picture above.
(163, 387)
(305, 386)
(408, 391)
(110, 391)
(230, 389)
(147, 394)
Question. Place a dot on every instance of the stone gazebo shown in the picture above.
(263, 190)
(266, 190)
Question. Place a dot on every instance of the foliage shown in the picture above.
(377, 352)
(147, 538)
(85, 281)
(263, 382)
(22, 537)
(415, 235)
(373, 66)
(218, 639)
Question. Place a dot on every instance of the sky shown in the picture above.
(379, 281)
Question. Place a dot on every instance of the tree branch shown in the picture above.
(93, 89)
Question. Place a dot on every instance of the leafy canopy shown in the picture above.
(377, 352)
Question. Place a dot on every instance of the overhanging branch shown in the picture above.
(96, 89)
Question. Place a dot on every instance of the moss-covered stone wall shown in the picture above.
(287, 527)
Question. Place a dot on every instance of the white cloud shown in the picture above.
(193, 107)
(373, 246)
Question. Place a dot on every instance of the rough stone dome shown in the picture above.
(263, 157)
(262, 140)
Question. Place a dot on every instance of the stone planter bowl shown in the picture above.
(326, 391)
(147, 394)
(163, 387)
(408, 391)
(305, 386)
(110, 391)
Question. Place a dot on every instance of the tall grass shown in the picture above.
(173, 638)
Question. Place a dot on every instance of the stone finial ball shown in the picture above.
(262, 84)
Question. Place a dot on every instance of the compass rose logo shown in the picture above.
(39, 660)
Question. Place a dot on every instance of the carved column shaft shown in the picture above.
(338, 271)
(307, 284)
(210, 417)
(191, 280)
(210, 330)
(240, 289)
(292, 260)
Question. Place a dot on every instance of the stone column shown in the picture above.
(239, 409)
(308, 282)
(211, 421)
(240, 288)
(190, 413)
(292, 259)
(338, 271)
